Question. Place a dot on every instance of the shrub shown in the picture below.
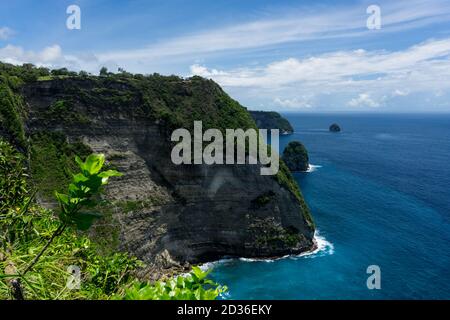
(194, 286)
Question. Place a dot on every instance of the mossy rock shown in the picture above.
(296, 156)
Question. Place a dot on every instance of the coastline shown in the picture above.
(319, 244)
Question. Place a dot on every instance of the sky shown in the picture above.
(281, 55)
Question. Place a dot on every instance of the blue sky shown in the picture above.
(308, 56)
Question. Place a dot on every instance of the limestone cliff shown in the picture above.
(163, 213)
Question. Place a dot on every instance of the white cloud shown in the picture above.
(295, 103)
(344, 68)
(5, 33)
(363, 100)
(295, 26)
(49, 56)
(419, 68)
(204, 72)
(400, 93)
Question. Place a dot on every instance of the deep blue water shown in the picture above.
(381, 196)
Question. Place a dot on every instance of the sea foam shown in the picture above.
(312, 168)
(323, 248)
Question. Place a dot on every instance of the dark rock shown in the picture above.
(271, 120)
(335, 128)
(296, 157)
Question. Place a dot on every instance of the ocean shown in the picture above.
(379, 192)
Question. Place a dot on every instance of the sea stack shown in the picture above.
(296, 157)
(335, 128)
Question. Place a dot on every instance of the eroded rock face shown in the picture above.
(172, 215)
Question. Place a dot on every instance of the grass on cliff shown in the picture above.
(11, 110)
(52, 161)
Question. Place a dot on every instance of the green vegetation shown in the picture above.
(52, 161)
(194, 286)
(285, 179)
(134, 205)
(11, 110)
(13, 189)
(63, 111)
(37, 246)
(274, 234)
(296, 157)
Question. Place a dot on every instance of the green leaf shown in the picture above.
(110, 173)
(84, 220)
(93, 183)
(79, 162)
(94, 163)
(62, 198)
(79, 177)
(199, 273)
(73, 188)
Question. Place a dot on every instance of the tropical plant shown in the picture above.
(194, 286)
(76, 206)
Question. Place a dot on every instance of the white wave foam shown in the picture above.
(323, 248)
(312, 168)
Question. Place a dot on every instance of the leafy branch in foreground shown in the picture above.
(193, 286)
(76, 206)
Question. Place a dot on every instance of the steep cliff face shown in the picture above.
(166, 214)
(271, 120)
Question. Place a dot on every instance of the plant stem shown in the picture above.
(57, 232)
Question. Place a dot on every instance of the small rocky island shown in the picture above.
(335, 128)
(296, 157)
(271, 120)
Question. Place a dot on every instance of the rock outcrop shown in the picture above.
(335, 128)
(296, 157)
(271, 120)
(169, 215)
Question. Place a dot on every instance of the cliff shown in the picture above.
(166, 215)
(271, 120)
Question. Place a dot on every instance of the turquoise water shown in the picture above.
(380, 195)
